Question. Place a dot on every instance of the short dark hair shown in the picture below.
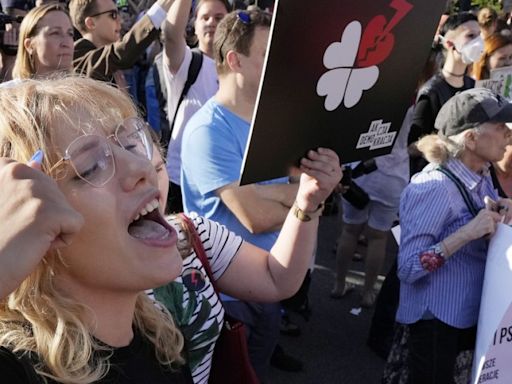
(201, 2)
(79, 10)
(455, 21)
(235, 35)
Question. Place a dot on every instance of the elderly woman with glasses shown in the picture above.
(82, 314)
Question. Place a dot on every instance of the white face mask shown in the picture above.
(472, 50)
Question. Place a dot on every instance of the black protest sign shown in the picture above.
(339, 74)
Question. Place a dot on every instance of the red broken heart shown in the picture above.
(376, 43)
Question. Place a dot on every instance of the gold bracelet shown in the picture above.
(306, 216)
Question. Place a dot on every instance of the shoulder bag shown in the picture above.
(230, 362)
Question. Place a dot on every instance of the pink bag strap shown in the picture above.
(197, 245)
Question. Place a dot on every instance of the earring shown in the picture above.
(32, 63)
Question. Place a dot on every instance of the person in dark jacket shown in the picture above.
(462, 45)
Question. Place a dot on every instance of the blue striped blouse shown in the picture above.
(432, 208)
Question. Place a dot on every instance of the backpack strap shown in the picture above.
(193, 73)
(462, 189)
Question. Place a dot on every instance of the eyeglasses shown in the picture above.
(92, 158)
(245, 19)
(113, 13)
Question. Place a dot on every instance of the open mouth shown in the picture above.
(150, 225)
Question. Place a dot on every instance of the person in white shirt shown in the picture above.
(177, 60)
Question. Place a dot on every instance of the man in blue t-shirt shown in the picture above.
(213, 148)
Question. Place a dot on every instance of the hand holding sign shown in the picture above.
(346, 85)
(482, 225)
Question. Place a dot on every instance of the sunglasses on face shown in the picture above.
(92, 158)
(113, 13)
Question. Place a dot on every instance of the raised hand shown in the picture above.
(505, 210)
(482, 225)
(321, 173)
(34, 218)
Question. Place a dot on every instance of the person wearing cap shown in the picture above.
(447, 214)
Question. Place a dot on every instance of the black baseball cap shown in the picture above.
(470, 108)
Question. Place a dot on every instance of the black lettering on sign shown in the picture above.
(487, 376)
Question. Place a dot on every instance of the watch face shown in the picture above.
(438, 250)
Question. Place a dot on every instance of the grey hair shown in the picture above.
(439, 149)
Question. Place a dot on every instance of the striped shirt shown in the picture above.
(432, 208)
(198, 311)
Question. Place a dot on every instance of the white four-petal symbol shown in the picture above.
(344, 82)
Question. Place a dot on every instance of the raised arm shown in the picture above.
(174, 34)
(102, 62)
(255, 274)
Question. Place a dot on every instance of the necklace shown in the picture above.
(452, 74)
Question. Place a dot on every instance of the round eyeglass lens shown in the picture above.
(133, 136)
(91, 158)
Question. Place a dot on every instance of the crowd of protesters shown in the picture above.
(115, 117)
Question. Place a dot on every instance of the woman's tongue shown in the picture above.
(148, 230)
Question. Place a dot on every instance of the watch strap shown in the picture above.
(304, 215)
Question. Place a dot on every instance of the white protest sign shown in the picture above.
(396, 231)
(494, 85)
(493, 351)
(500, 82)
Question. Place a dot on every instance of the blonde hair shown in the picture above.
(439, 149)
(37, 317)
(24, 66)
(487, 17)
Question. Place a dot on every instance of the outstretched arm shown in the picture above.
(255, 274)
(101, 62)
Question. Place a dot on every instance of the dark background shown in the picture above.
(291, 117)
(333, 341)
